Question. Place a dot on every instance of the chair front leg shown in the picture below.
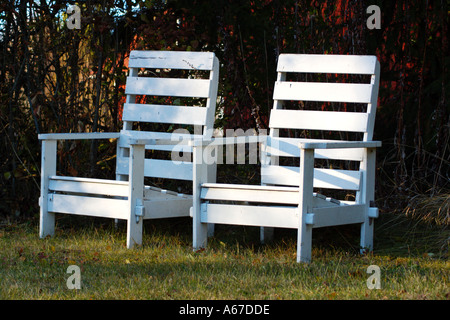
(304, 236)
(367, 195)
(135, 195)
(200, 175)
(48, 168)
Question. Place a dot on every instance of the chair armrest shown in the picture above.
(339, 144)
(79, 136)
(227, 141)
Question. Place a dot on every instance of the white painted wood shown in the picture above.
(212, 98)
(323, 178)
(221, 141)
(373, 213)
(250, 194)
(89, 186)
(88, 206)
(200, 176)
(365, 197)
(331, 63)
(135, 195)
(335, 216)
(264, 194)
(372, 106)
(339, 144)
(48, 168)
(266, 234)
(289, 147)
(157, 209)
(108, 188)
(127, 126)
(337, 179)
(166, 169)
(174, 87)
(319, 120)
(297, 206)
(175, 147)
(171, 60)
(305, 205)
(78, 136)
(175, 136)
(164, 114)
(127, 197)
(242, 187)
(151, 192)
(269, 216)
(321, 91)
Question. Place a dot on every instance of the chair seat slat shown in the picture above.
(166, 169)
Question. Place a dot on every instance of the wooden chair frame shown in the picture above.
(286, 197)
(127, 197)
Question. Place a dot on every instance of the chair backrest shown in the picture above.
(327, 97)
(166, 91)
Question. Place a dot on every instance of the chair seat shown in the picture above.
(104, 187)
(109, 198)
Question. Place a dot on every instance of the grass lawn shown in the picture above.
(412, 257)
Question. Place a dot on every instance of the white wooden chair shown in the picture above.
(286, 197)
(150, 75)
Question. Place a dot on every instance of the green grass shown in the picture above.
(413, 260)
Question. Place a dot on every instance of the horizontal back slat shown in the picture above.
(321, 91)
(159, 168)
(288, 147)
(180, 140)
(312, 63)
(318, 120)
(171, 60)
(193, 88)
(176, 136)
(178, 147)
(164, 114)
(323, 178)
